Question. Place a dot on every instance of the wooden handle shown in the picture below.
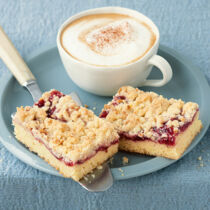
(13, 60)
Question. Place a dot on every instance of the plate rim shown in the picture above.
(149, 166)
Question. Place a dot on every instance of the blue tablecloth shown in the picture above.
(185, 27)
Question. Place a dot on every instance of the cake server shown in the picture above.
(101, 178)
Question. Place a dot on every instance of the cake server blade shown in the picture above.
(101, 178)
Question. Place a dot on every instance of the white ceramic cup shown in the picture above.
(106, 81)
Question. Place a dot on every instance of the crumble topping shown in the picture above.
(68, 130)
(137, 113)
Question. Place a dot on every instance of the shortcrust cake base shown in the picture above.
(77, 171)
(148, 147)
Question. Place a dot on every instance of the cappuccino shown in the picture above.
(107, 39)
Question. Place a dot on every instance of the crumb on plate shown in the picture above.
(120, 169)
(199, 158)
(99, 167)
(125, 160)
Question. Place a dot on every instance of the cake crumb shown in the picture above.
(201, 164)
(86, 106)
(93, 175)
(125, 160)
(99, 167)
(94, 108)
(85, 178)
(120, 169)
(111, 160)
(199, 158)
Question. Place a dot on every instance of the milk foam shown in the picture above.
(107, 41)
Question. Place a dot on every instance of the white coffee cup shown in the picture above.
(105, 81)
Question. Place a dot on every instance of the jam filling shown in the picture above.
(55, 93)
(70, 163)
(51, 109)
(119, 98)
(101, 148)
(170, 138)
(40, 103)
(104, 114)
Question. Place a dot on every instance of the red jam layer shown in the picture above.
(119, 98)
(40, 103)
(51, 109)
(114, 103)
(70, 163)
(104, 114)
(169, 131)
(101, 148)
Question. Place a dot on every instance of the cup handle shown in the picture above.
(164, 67)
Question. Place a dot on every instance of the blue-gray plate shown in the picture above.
(188, 83)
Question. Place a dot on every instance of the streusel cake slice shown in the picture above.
(150, 124)
(69, 137)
